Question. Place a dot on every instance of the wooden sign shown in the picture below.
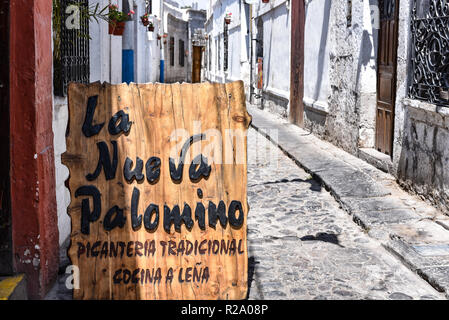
(158, 186)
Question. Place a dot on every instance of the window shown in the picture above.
(349, 13)
(429, 78)
(172, 51)
(181, 52)
(149, 6)
(71, 48)
(259, 46)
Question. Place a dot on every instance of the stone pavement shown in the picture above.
(415, 232)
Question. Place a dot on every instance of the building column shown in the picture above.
(32, 171)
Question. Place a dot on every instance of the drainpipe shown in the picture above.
(162, 62)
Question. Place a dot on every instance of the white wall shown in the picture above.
(316, 54)
(178, 29)
(276, 35)
(238, 62)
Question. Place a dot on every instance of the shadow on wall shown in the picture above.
(366, 46)
(424, 161)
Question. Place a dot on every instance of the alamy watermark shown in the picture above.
(72, 22)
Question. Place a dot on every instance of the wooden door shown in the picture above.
(196, 64)
(6, 263)
(386, 74)
(297, 62)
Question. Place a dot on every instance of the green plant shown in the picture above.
(116, 15)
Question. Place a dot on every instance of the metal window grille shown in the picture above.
(181, 52)
(225, 47)
(429, 79)
(71, 48)
(210, 52)
(349, 14)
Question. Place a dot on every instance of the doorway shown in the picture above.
(386, 75)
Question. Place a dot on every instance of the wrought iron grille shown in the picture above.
(430, 51)
(225, 45)
(71, 46)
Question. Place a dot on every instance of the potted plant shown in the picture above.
(145, 19)
(150, 26)
(117, 20)
(228, 17)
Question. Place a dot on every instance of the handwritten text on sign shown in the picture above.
(158, 190)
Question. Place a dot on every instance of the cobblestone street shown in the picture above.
(303, 246)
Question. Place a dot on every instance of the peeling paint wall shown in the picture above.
(341, 106)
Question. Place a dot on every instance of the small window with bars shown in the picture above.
(172, 51)
(70, 46)
(181, 52)
(149, 6)
(225, 47)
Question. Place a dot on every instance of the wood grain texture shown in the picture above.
(156, 111)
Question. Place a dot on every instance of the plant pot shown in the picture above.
(117, 28)
(227, 21)
(265, 1)
(151, 28)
